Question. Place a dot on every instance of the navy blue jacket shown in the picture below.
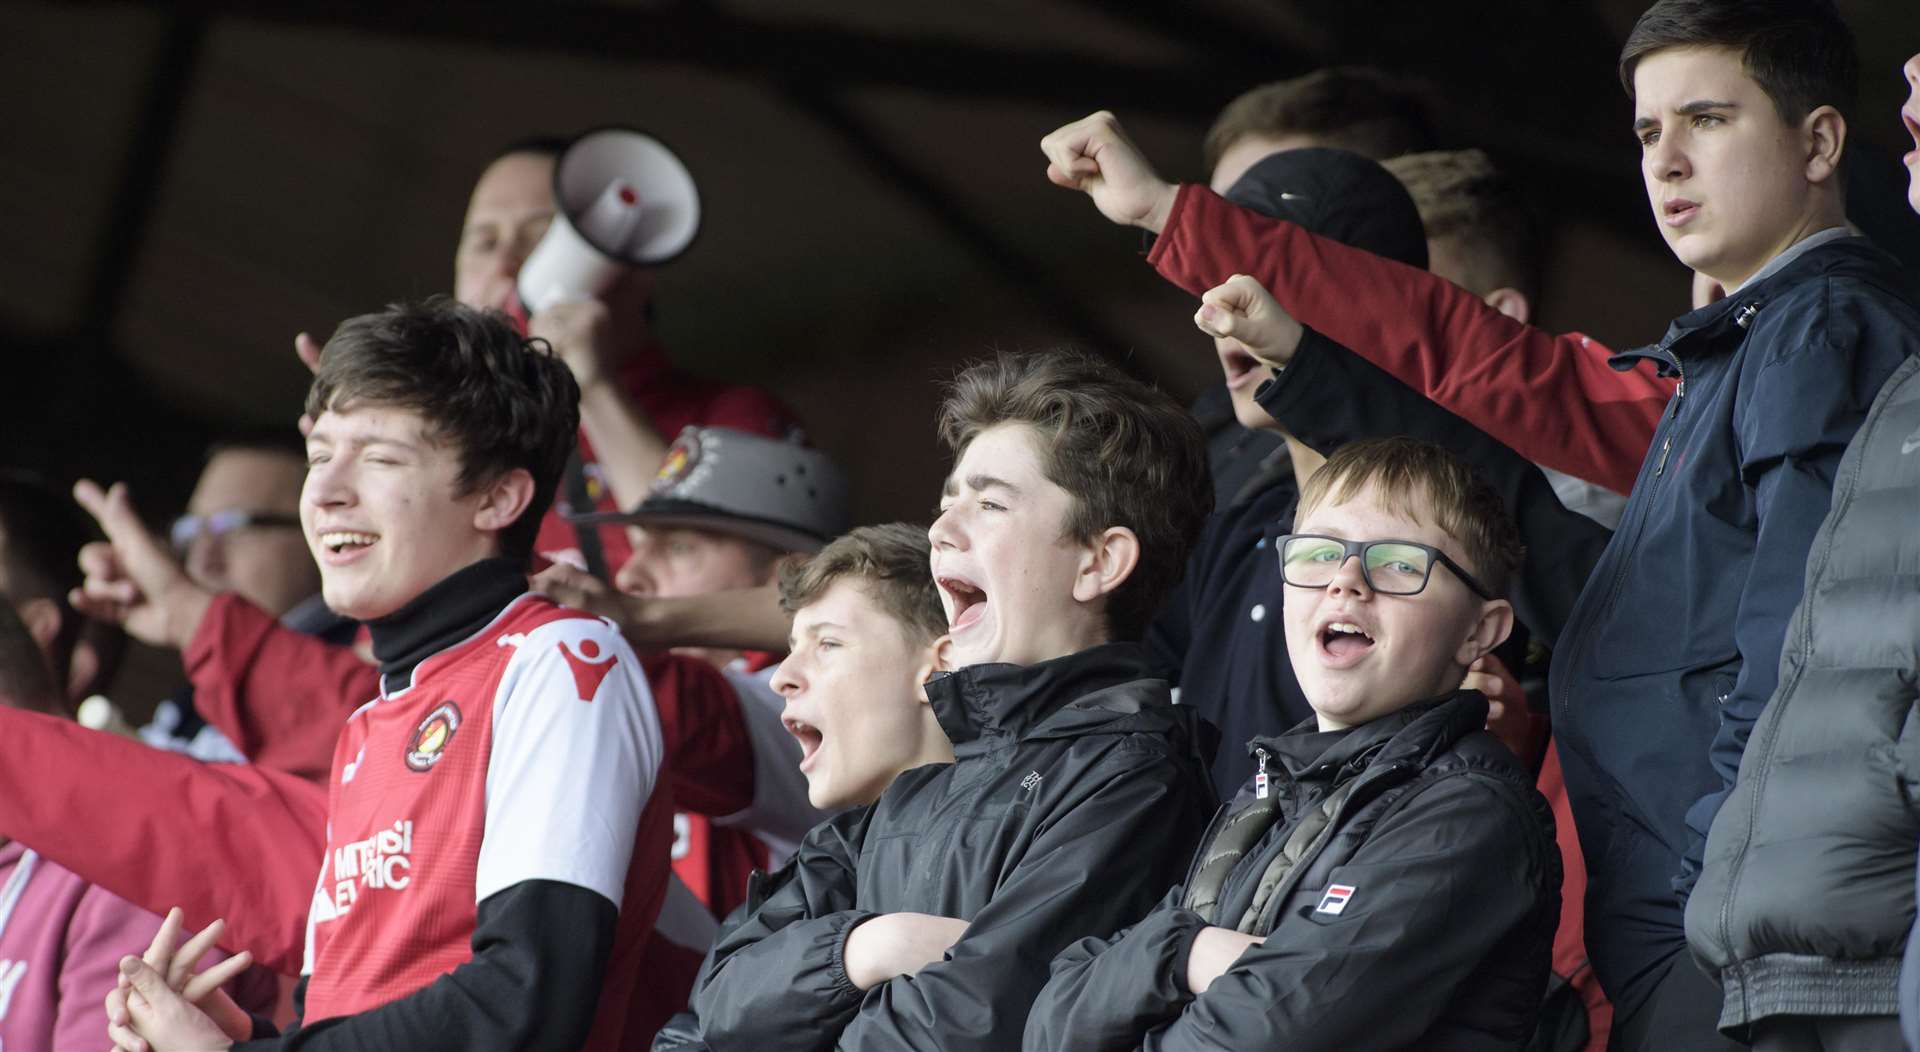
(1673, 647)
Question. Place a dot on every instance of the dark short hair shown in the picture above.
(1466, 200)
(502, 400)
(1424, 483)
(1358, 108)
(892, 563)
(1800, 52)
(1126, 453)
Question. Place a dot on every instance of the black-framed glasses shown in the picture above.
(1310, 560)
(189, 528)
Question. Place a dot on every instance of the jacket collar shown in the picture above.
(1006, 701)
(1703, 328)
(456, 607)
(1416, 734)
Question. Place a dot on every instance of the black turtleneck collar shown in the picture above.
(1308, 753)
(458, 606)
(1000, 700)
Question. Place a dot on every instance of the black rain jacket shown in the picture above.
(1406, 882)
(1076, 795)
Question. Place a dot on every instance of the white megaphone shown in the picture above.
(623, 200)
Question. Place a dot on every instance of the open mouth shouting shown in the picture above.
(1342, 643)
(809, 737)
(966, 602)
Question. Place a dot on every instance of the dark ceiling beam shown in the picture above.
(808, 50)
(977, 233)
(143, 170)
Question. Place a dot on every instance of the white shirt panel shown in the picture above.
(576, 755)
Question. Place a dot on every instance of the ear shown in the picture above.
(42, 618)
(1510, 302)
(1106, 563)
(1826, 134)
(503, 501)
(1489, 630)
(937, 657)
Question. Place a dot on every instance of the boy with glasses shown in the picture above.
(1388, 879)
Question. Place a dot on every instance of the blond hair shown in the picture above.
(1422, 482)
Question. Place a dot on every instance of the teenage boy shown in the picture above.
(926, 919)
(1737, 110)
(495, 847)
(1388, 878)
(718, 517)
(868, 631)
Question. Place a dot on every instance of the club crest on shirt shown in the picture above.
(430, 739)
(589, 664)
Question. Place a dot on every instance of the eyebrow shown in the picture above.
(1687, 110)
(813, 629)
(978, 483)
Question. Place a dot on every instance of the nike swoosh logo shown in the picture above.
(1911, 443)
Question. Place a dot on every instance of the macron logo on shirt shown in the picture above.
(589, 665)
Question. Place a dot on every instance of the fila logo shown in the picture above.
(590, 665)
(1031, 781)
(1335, 900)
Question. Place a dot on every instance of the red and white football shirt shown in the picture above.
(529, 751)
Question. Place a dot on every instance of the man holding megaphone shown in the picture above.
(563, 235)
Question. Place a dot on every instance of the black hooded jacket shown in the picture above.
(1403, 874)
(1075, 798)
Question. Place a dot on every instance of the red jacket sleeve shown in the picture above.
(709, 752)
(160, 829)
(279, 695)
(1552, 398)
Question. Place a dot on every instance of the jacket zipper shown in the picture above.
(1577, 650)
(1372, 785)
(1679, 396)
(1260, 783)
